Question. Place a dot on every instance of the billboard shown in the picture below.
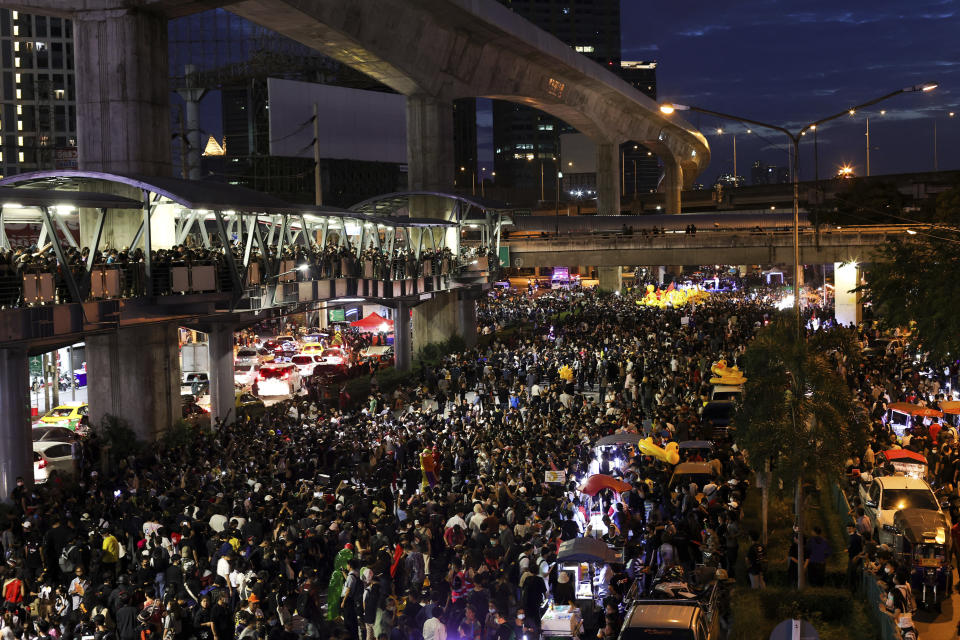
(353, 124)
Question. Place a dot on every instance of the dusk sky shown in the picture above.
(789, 63)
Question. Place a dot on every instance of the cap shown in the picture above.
(253, 598)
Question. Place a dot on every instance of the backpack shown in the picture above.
(68, 559)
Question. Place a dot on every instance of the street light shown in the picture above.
(795, 139)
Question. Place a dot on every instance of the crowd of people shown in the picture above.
(305, 263)
(890, 372)
(365, 522)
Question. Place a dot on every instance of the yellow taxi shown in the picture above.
(66, 415)
(248, 404)
(311, 347)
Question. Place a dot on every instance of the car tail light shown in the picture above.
(43, 463)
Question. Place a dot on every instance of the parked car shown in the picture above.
(66, 415)
(47, 432)
(305, 363)
(202, 380)
(334, 355)
(683, 619)
(278, 380)
(244, 374)
(247, 404)
(383, 355)
(50, 456)
(883, 497)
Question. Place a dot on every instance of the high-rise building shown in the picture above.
(38, 108)
(526, 141)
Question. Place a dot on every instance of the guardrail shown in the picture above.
(712, 232)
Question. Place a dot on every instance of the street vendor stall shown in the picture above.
(909, 463)
(597, 507)
(612, 452)
(951, 412)
(581, 558)
(902, 415)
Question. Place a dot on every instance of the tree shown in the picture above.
(918, 280)
(797, 412)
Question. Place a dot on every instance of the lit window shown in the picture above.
(21, 156)
(16, 77)
(19, 94)
(19, 125)
(19, 141)
(16, 30)
(581, 48)
(58, 94)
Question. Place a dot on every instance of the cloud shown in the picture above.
(702, 31)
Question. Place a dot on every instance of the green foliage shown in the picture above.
(797, 410)
(833, 612)
(119, 437)
(918, 279)
(181, 434)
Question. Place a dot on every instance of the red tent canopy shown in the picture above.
(597, 483)
(374, 323)
(904, 454)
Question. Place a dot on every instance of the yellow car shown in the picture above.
(66, 415)
(247, 404)
(311, 348)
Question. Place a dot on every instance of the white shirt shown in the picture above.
(455, 520)
(223, 567)
(433, 629)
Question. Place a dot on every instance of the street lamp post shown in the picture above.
(795, 141)
(556, 216)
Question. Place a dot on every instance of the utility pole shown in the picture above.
(317, 187)
(868, 146)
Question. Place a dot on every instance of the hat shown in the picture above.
(710, 489)
(349, 546)
(27, 524)
(267, 498)
(253, 598)
(563, 578)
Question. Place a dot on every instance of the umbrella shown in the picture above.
(585, 550)
(619, 438)
(596, 483)
(915, 410)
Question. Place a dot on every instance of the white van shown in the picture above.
(723, 392)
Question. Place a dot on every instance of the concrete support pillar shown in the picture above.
(16, 452)
(611, 278)
(608, 179)
(847, 305)
(222, 391)
(435, 320)
(430, 156)
(661, 274)
(467, 319)
(134, 375)
(401, 339)
(123, 95)
(672, 185)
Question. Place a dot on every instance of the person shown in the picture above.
(351, 601)
(756, 561)
(433, 628)
(818, 550)
(855, 556)
(505, 630)
(793, 559)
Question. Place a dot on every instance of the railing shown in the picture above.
(868, 583)
(787, 232)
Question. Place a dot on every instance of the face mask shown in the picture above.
(520, 616)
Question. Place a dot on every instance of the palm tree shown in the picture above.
(798, 412)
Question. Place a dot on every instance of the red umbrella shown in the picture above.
(375, 323)
(597, 483)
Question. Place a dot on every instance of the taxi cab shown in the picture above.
(310, 348)
(66, 415)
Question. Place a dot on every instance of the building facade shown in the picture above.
(527, 142)
(38, 108)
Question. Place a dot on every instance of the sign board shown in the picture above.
(684, 321)
(336, 315)
(504, 255)
(65, 158)
(555, 477)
